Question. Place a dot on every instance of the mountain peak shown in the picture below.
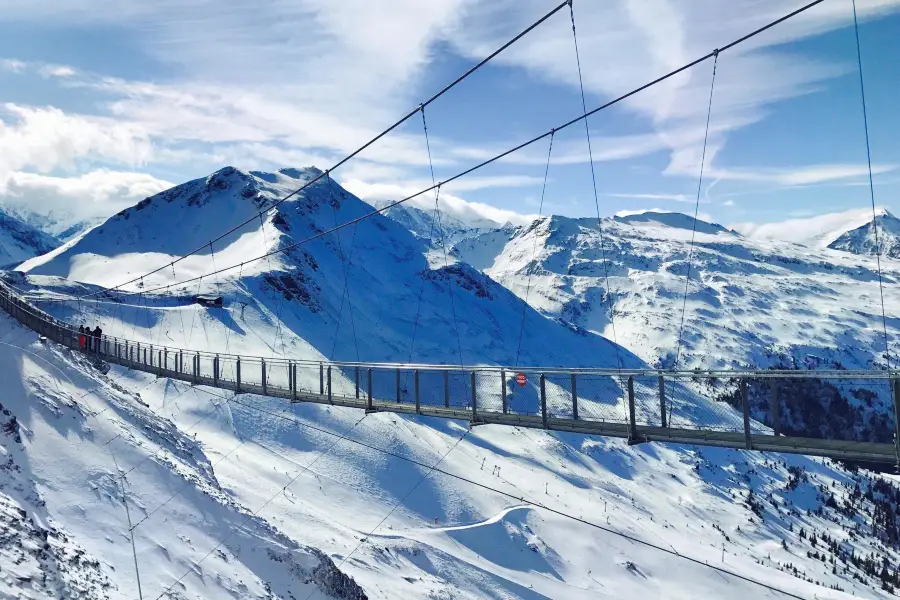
(675, 220)
(880, 235)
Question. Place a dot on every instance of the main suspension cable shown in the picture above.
(372, 141)
(687, 277)
(521, 146)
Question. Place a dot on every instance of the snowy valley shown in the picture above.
(245, 496)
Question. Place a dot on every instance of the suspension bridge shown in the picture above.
(640, 405)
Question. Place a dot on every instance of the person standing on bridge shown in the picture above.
(82, 338)
(97, 334)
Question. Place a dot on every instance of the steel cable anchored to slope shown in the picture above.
(501, 155)
(365, 146)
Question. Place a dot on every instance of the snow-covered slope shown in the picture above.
(429, 225)
(19, 241)
(862, 240)
(373, 292)
(473, 529)
(756, 303)
(234, 496)
(75, 447)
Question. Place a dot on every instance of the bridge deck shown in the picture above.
(483, 410)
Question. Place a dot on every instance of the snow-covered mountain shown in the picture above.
(60, 226)
(862, 240)
(340, 481)
(755, 303)
(372, 292)
(428, 224)
(19, 241)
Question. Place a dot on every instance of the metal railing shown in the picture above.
(801, 409)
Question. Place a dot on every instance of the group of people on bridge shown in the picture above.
(89, 341)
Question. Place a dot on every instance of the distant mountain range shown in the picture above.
(381, 291)
(20, 241)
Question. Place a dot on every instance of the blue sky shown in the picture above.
(103, 102)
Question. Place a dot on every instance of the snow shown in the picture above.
(508, 513)
(750, 302)
(20, 241)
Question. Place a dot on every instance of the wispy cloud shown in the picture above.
(686, 198)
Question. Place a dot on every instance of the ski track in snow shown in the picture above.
(198, 463)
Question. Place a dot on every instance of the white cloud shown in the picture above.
(13, 65)
(816, 231)
(46, 139)
(686, 198)
(88, 196)
(802, 176)
(449, 202)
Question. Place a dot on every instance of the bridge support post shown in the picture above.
(237, 376)
(503, 390)
(290, 380)
(398, 386)
(216, 370)
(330, 397)
(151, 356)
(775, 408)
(662, 402)
(632, 419)
(543, 384)
(369, 406)
(263, 371)
(446, 389)
(127, 355)
(416, 383)
(745, 398)
(196, 360)
(474, 400)
(293, 368)
(356, 381)
(896, 394)
(321, 379)
(574, 397)
(160, 363)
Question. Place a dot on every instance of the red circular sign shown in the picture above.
(521, 379)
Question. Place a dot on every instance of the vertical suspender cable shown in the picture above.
(437, 214)
(534, 249)
(687, 277)
(345, 294)
(437, 192)
(862, 93)
(278, 310)
(180, 311)
(587, 131)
